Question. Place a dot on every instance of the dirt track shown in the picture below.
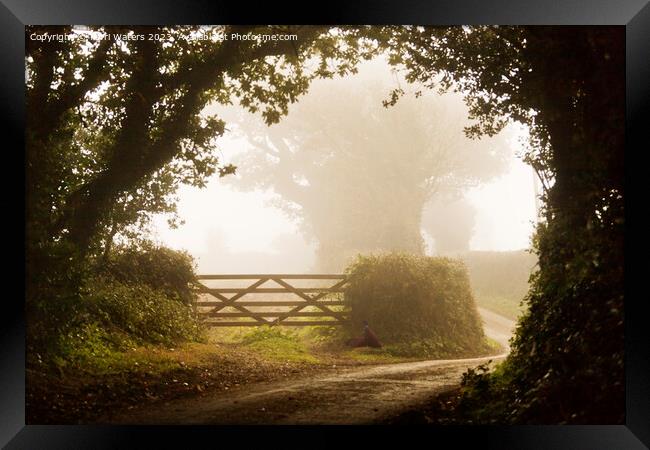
(345, 396)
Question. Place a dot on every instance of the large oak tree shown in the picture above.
(357, 174)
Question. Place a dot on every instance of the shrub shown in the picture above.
(567, 361)
(140, 311)
(52, 295)
(160, 268)
(90, 345)
(566, 365)
(85, 312)
(409, 297)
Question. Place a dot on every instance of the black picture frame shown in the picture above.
(634, 15)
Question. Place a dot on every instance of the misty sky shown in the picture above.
(221, 219)
(229, 231)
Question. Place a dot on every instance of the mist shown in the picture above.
(343, 174)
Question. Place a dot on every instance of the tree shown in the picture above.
(450, 222)
(356, 174)
(116, 122)
(567, 84)
(556, 80)
(109, 117)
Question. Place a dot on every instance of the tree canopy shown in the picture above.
(114, 124)
(357, 174)
(568, 85)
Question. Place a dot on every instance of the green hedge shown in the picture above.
(140, 311)
(137, 296)
(406, 298)
(160, 268)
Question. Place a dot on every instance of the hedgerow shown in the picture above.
(161, 268)
(409, 298)
(136, 297)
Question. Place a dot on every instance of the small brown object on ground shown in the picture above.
(369, 338)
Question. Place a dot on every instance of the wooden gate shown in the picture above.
(271, 300)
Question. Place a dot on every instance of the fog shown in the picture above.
(342, 174)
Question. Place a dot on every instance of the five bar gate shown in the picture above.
(271, 299)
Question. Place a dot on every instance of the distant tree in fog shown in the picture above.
(357, 174)
(450, 222)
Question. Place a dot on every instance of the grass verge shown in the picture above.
(508, 307)
(102, 379)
